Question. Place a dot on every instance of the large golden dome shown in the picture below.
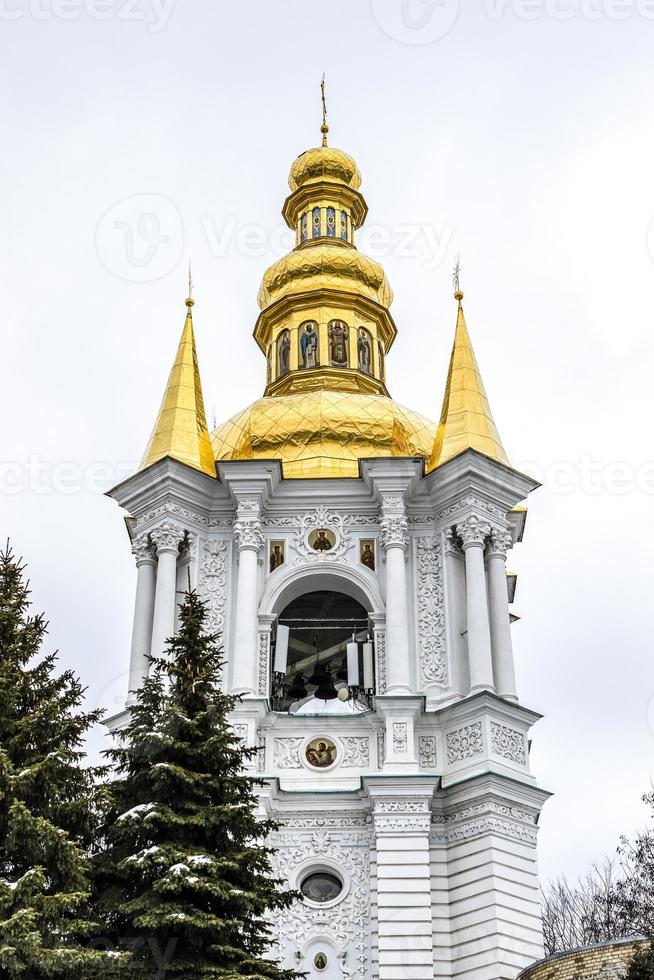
(325, 265)
(324, 163)
(323, 433)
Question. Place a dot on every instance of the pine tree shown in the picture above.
(185, 877)
(642, 964)
(48, 801)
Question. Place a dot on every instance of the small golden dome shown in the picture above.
(323, 433)
(324, 163)
(324, 265)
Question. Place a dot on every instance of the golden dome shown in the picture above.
(323, 433)
(324, 163)
(324, 265)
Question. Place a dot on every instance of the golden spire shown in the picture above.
(324, 129)
(181, 427)
(466, 421)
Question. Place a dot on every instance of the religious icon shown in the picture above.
(304, 228)
(315, 223)
(284, 353)
(321, 753)
(320, 961)
(338, 337)
(331, 223)
(309, 344)
(322, 540)
(344, 226)
(367, 554)
(365, 351)
(277, 556)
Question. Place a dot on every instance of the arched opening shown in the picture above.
(321, 624)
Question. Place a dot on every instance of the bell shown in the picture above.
(318, 675)
(297, 690)
(326, 690)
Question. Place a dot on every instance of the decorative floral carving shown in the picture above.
(471, 501)
(348, 922)
(287, 753)
(500, 542)
(400, 737)
(402, 805)
(167, 537)
(264, 663)
(212, 583)
(431, 612)
(142, 549)
(247, 535)
(392, 502)
(241, 732)
(381, 748)
(427, 753)
(322, 517)
(464, 743)
(394, 532)
(473, 531)
(508, 743)
(261, 745)
(250, 504)
(356, 751)
(380, 652)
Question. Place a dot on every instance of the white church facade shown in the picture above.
(352, 555)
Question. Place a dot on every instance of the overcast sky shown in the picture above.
(516, 132)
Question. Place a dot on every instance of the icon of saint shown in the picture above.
(309, 346)
(322, 542)
(284, 353)
(363, 347)
(368, 556)
(338, 334)
(276, 557)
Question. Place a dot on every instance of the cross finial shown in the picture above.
(456, 274)
(324, 129)
(190, 301)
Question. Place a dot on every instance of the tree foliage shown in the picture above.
(184, 875)
(48, 800)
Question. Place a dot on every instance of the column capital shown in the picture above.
(394, 532)
(167, 538)
(473, 531)
(143, 551)
(499, 543)
(248, 535)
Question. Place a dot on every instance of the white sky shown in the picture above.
(517, 132)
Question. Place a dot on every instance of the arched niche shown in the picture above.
(290, 583)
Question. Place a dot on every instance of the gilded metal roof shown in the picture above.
(181, 427)
(466, 420)
(324, 163)
(325, 265)
(323, 433)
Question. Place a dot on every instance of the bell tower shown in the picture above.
(352, 555)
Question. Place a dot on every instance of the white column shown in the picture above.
(500, 623)
(143, 615)
(249, 541)
(167, 540)
(395, 540)
(473, 533)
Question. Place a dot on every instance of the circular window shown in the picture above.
(321, 887)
